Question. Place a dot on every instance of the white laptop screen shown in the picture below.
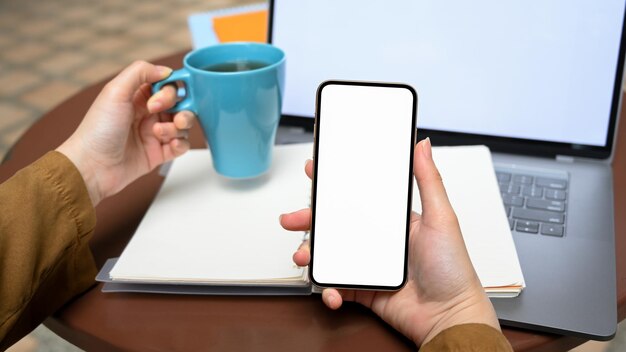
(536, 70)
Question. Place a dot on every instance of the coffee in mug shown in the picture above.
(236, 66)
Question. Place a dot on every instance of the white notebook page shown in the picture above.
(203, 227)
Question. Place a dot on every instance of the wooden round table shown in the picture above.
(98, 321)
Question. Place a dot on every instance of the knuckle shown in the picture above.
(437, 176)
(112, 89)
(141, 68)
(139, 64)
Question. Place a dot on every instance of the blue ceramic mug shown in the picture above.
(236, 91)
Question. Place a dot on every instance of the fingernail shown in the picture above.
(427, 148)
(164, 71)
(331, 300)
(154, 105)
(280, 217)
(306, 162)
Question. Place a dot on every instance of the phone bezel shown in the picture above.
(316, 131)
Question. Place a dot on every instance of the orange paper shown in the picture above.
(243, 27)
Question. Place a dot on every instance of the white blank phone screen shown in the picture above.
(362, 192)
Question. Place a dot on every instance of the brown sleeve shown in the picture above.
(46, 221)
(468, 337)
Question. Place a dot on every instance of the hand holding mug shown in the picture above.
(236, 91)
(126, 132)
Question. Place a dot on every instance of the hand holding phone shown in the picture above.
(361, 197)
(442, 290)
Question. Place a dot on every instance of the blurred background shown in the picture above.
(50, 50)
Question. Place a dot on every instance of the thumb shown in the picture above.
(134, 76)
(432, 191)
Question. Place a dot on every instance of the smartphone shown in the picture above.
(362, 186)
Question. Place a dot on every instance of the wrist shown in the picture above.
(476, 309)
(86, 171)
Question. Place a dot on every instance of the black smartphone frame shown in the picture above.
(316, 131)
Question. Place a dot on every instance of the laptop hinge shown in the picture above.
(565, 158)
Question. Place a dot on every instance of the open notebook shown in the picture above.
(207, 234)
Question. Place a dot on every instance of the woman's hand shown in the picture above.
(126, 132)
(443, 289)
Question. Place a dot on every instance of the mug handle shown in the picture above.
(187, 101)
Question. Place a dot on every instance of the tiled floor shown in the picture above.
(49, 50)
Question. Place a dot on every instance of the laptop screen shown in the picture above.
(545, 71)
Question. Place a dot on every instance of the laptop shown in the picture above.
(539, 83)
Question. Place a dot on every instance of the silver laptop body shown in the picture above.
(570, 280)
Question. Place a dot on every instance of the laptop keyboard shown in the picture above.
(534, 204)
